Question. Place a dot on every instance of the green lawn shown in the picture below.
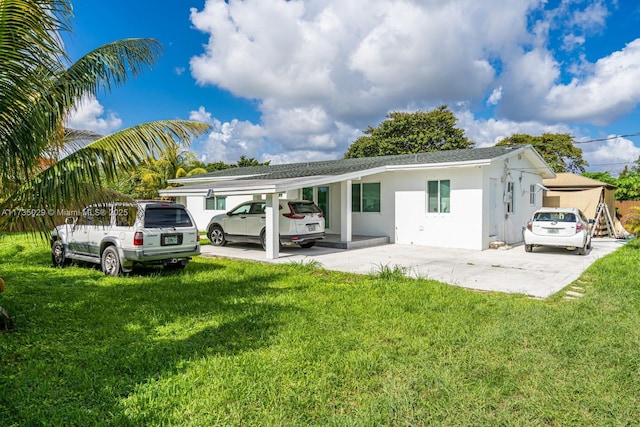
(239, 343)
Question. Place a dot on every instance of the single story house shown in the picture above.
(457, 198)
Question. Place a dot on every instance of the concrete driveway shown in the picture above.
(540, 274)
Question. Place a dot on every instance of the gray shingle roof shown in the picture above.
(343, 166)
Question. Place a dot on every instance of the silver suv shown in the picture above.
(118, 236)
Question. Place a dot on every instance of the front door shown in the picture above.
(493, 207)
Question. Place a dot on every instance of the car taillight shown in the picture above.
(138, 239)
(529, 225)
(321, 215)
(578, 226)
(198, 237)
(292, 214)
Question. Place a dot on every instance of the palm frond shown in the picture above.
(107, 66)
(30, 53)
(76, 179)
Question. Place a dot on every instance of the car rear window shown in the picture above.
(166, 217)
(304, 208)
(555, 216)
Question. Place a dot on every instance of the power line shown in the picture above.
(607, 139)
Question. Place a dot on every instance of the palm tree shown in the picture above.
(44, 166)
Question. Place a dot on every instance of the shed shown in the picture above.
(569, 190)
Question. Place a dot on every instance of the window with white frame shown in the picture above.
(216, 203)
(365, 197)
(532, 194)
(439, 196)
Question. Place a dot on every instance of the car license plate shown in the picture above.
(552, 231)
(311, 227)
(170, 240)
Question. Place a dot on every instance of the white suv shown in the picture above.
(118, 236)
(560, 227)
(301, 222)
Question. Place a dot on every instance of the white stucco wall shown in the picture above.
(519, 171)
(197, 204)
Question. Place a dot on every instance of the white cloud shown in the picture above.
(320, 71)
(611, 155)
(612, 90)
(488, 132)
(88, 115)
(228, 141)
(201, 116)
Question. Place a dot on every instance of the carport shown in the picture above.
(271, 189)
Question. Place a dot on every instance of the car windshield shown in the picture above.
(304, 208)
(166, 217)
(555, 216)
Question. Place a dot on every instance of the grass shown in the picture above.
(238, 343)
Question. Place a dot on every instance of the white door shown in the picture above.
(493, 207)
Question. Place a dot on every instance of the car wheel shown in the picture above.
(263, 239)
(110, 261)
(58, 255)
(582, 250)
(308, 245)
(216, 236)
(528, 248)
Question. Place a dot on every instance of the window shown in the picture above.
(532, 194)
(355, 197)
(217, 203)
(365, 197)
(307, 194)
(439, 196)
(166, 217)
(508, 197)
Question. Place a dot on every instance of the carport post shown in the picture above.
(345, 211)
(272, 226)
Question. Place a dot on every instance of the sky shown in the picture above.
(299, 80)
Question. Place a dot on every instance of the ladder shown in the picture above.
(603, 216)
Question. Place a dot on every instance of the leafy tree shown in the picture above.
(601, 176)
(42, 164)
(216, 166)
(406, 133)
(628, 185)
(558, 150)
(246, 162)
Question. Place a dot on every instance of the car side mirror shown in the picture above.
(229, 213)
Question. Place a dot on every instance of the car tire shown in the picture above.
(110, 262)
(583, 250)
(528, 248)
(307, 245)
(263, 239)
(216, 236)
(58, 256)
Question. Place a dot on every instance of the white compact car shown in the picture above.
(559, 227)
(301, 222)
